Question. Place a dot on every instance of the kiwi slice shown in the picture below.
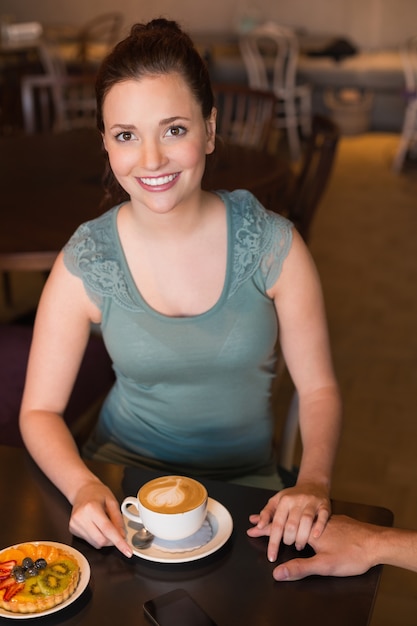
(62, 568)
(56, 577)
(52, 585)
(31, 589)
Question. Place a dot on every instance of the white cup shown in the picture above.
(170, 507)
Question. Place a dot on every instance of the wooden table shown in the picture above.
(51, 183)
(234, 585)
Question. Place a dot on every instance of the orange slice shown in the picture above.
(12, 554)
(29, 549)
(49, 553)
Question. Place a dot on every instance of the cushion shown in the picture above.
(94, 380)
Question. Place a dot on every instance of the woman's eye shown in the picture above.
(176, 131)
(126, 135)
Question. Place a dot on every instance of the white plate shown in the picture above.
(82, 583)
(221, 523)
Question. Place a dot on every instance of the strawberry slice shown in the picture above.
(7, 582)
(6, 568)
(12, 590)
(7, 565)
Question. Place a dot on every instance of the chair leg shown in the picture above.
(400, 155)
(305, 115)
(291, 125)
(407, 136)
(294, 142)
(289, 436)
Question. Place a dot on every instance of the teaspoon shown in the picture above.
(142, 538)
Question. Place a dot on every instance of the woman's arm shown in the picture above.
(306, 349)
(60, 337)
(291, 514)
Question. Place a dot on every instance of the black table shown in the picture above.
(50, 183)
(233, 585)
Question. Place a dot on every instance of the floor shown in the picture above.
(364, 244)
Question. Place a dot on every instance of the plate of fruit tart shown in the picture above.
(40, 577)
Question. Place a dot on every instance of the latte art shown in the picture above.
(172, 494)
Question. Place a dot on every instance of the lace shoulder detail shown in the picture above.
(261, 240)
(93, 254)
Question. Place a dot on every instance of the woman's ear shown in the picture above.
(211, 131)
(104, 142)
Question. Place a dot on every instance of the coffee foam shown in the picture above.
(172, 494)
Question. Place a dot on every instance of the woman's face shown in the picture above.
(157, 140)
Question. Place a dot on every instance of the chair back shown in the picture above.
(51, 59)
(57, 102)
(270, 54)
(244, 115)
(304, 199)
(314, 174)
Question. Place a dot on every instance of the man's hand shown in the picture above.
(344, 549)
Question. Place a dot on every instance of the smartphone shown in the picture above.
(176, 608)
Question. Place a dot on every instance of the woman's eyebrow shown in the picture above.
(176, 118)
(163, 122)
(123, 126)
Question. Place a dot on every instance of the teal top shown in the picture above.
(190, 392)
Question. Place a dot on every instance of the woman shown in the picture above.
(188, 287)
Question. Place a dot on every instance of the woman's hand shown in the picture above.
(292, 515)
(96, 517)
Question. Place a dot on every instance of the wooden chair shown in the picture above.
(244, 115)
(303, 201)
(408, 139)
(313, 177)
(57, 102)
(270, 54)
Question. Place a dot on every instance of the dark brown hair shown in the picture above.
(157, 48)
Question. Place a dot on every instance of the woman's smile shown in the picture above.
(158, 183)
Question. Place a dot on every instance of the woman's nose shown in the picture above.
(152, 155)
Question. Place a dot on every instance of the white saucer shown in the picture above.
(82, 584)
(221, 524)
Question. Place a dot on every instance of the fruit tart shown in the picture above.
(35, 577)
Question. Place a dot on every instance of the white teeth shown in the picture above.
(160, 180)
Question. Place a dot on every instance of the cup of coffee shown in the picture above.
(170, 507)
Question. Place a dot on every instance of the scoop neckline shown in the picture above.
(135, 292)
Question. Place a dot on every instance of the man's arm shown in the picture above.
(348, 547)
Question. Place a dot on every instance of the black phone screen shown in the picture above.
(176, 608)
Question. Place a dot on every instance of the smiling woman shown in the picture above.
(188, 287)
(157, 151)
(172, 54)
